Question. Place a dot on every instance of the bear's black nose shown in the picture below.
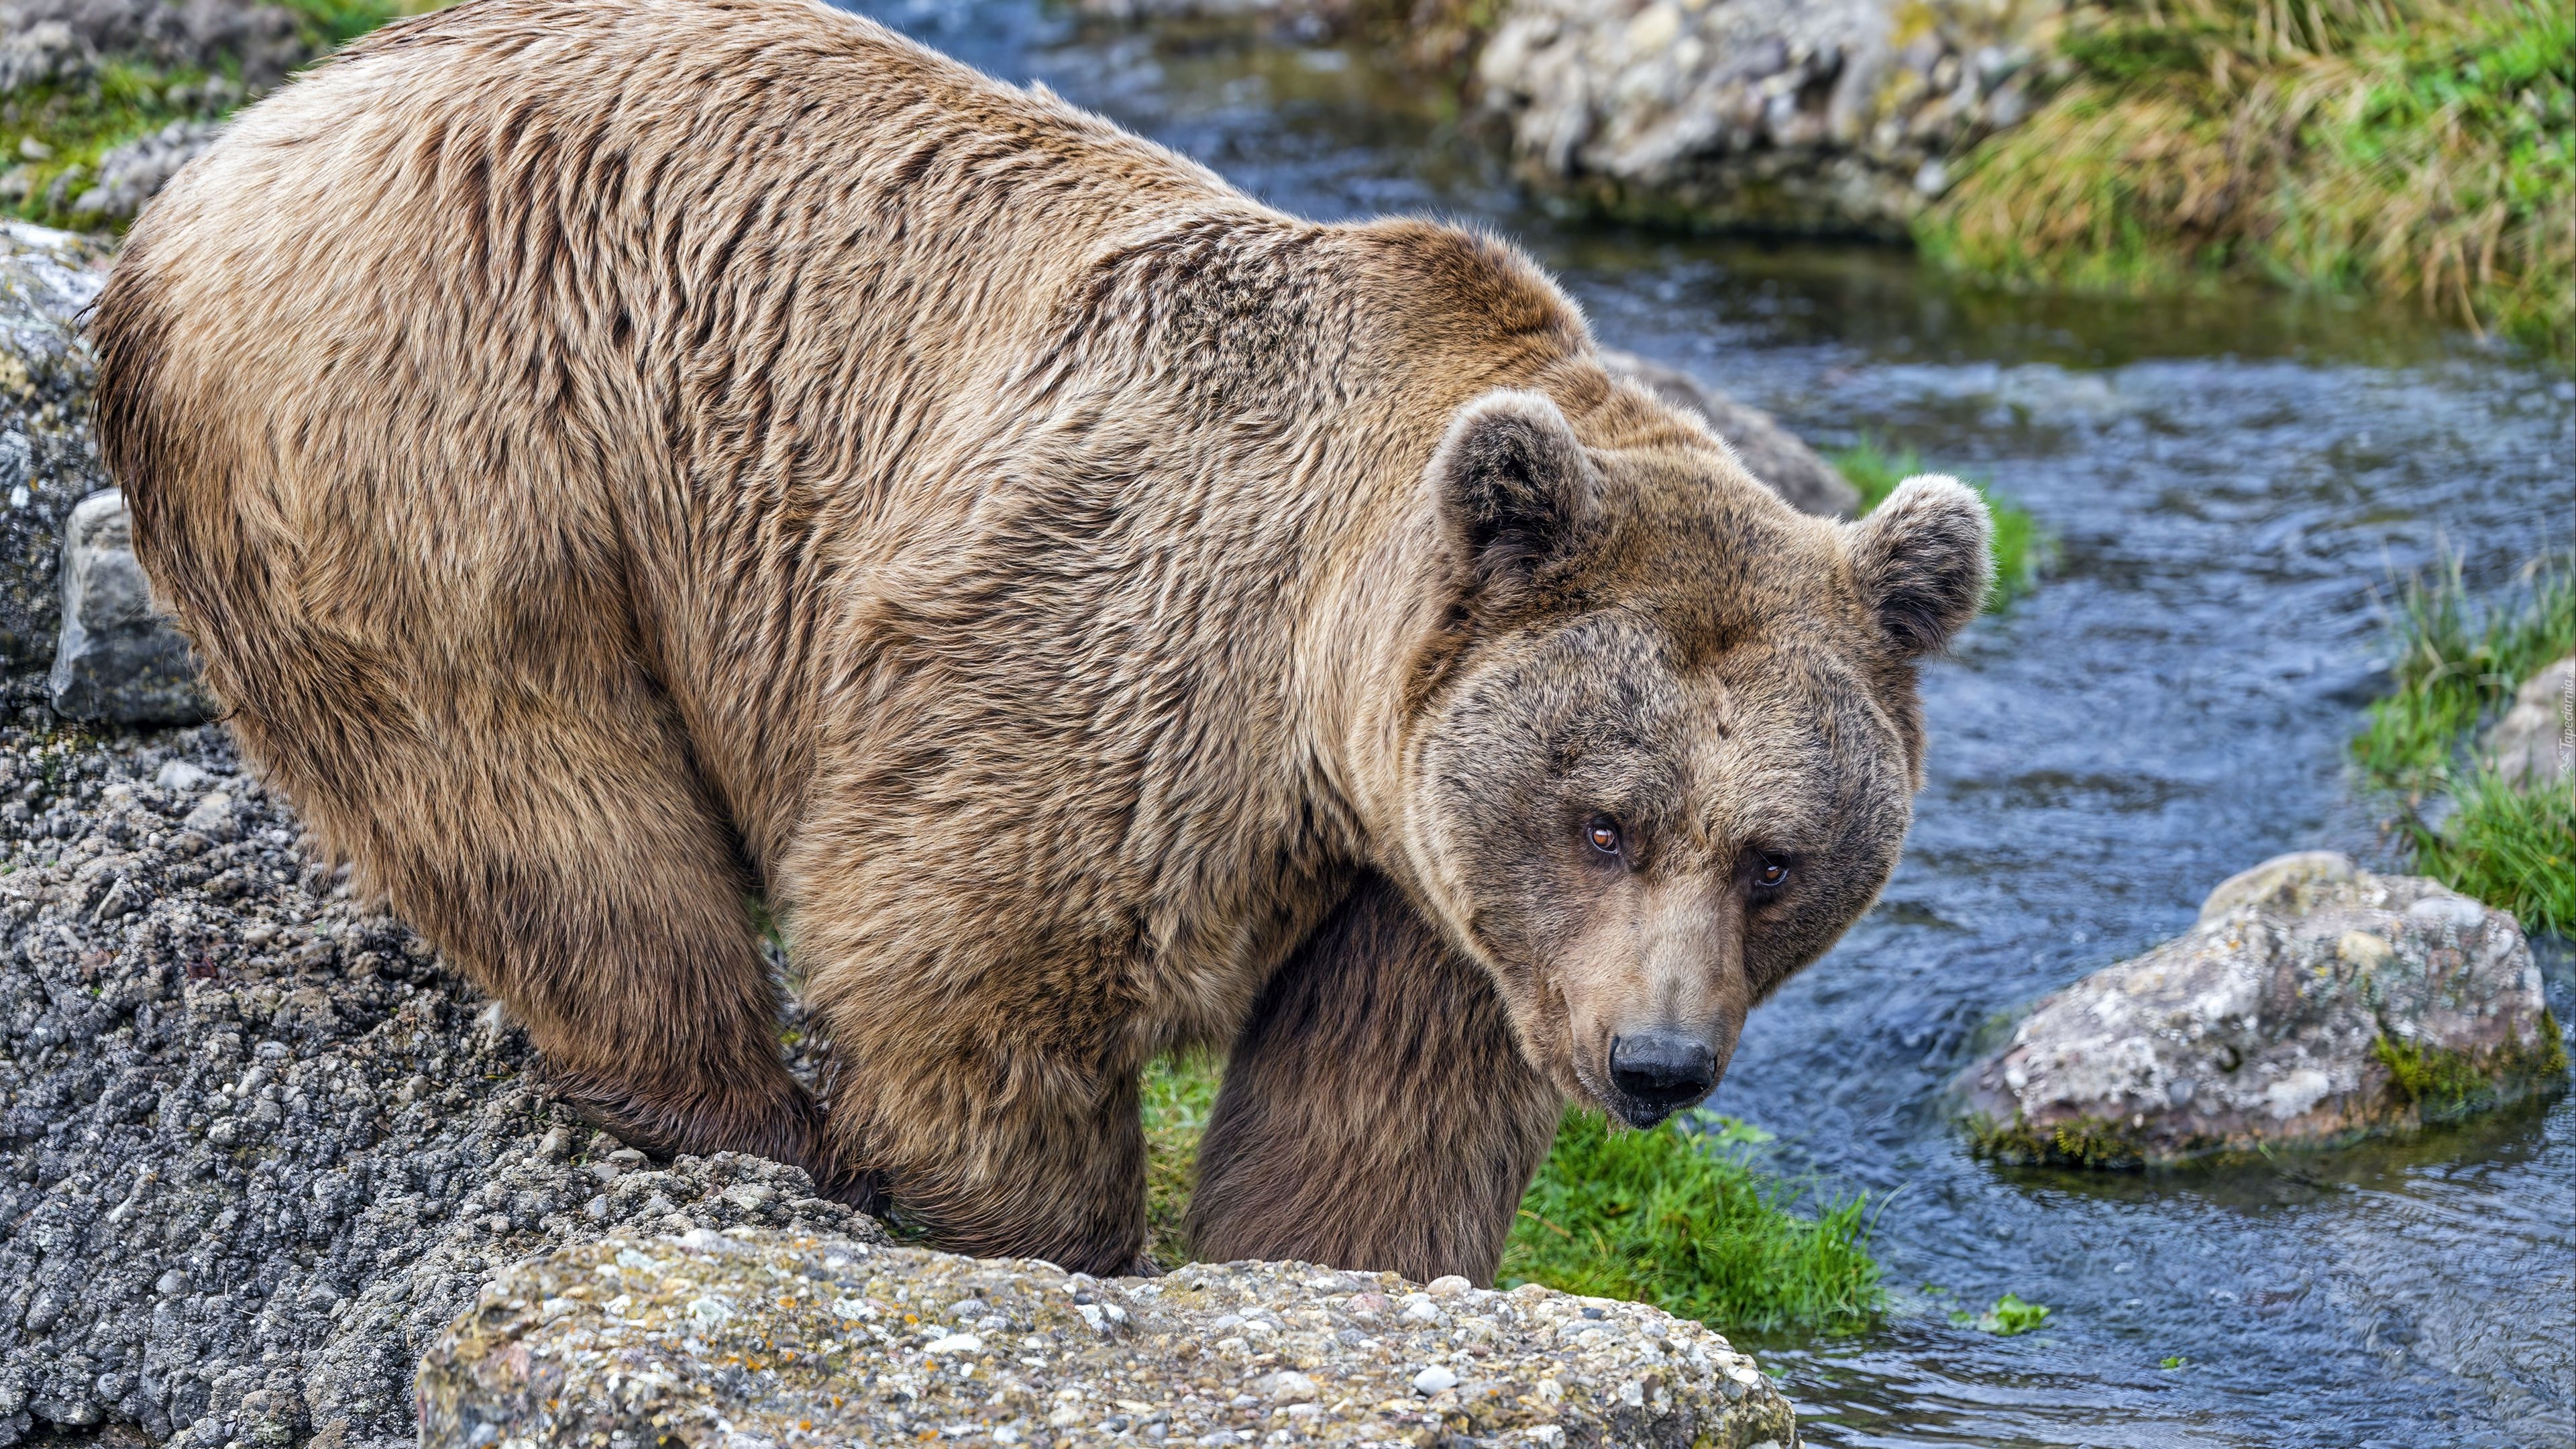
(1660, 1072)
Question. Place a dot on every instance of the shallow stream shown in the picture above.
(2231, 481)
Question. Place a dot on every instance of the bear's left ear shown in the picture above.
(1923, 561)
(1515, 487)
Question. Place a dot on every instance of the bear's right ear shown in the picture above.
(1923, 561)
(1515, 488)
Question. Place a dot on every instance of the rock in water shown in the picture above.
(1769, 451)
(117, 661)
(787, 1340)
(2534, 745)
(2313, 1004)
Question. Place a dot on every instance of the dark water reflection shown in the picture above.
(2230, 479)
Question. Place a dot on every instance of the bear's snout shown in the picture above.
(1657, 1073)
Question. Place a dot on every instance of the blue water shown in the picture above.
(2231, 481)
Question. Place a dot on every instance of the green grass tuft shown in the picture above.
(1660, 1217)
(1678, 1219)
(2409, 148)
(1179, 1094)
(2009, 1316)
(2454, 670)
(2021, 549)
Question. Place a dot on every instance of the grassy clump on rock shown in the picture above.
(2453, 671)
(1666, 1217)
(2408, 148)
(2021, 548)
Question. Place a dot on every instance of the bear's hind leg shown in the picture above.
(562, 853)
(1377, 1112)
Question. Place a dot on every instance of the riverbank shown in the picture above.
(2400, 150)
(2412, 152)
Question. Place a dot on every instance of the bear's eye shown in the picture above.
(1603, 832)
(1770, 872)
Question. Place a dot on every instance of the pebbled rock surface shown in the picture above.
(47, 463)
(793, 1340)
(116, 659)
(257, 1143)
(1766, 115)
(2313, 1004)
(2534, 746)
(1774, 454)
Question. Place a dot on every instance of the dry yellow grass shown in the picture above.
(2412, 148)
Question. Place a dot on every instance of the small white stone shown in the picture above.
(1291, 1387)
(954, 1343)
(1433, 1380)
(1448, 1284)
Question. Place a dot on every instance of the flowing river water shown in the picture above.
(2230, 481)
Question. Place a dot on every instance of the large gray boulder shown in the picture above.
(258, 1144)
(118, 661)
(2534, 746)
(1772, 115)
(2314, 1004)
(762, 1338)
(46, 461)
(1769, 451)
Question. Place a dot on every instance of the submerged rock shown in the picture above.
(2312, 1005)
(2534, 746)
(258, 1144)
(789, 1340)
(1774, 115)
(1771, 452)
(117, 660)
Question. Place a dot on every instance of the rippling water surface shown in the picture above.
(2229, 480)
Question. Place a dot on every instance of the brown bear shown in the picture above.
(625, 459)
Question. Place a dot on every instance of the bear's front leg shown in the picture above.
(1377, 1113)
(999, 1147)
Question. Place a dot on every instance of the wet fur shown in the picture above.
(619, 458)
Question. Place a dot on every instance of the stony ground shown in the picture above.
(789, 1341)
(257, 1143)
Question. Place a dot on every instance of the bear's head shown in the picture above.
(1667, 751)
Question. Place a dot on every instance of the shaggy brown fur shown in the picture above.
(617, 457)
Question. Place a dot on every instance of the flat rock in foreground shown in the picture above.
(790, 1340)
(2313, 1004)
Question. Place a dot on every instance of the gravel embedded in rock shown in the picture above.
(257, 1142)
(793, 1340)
